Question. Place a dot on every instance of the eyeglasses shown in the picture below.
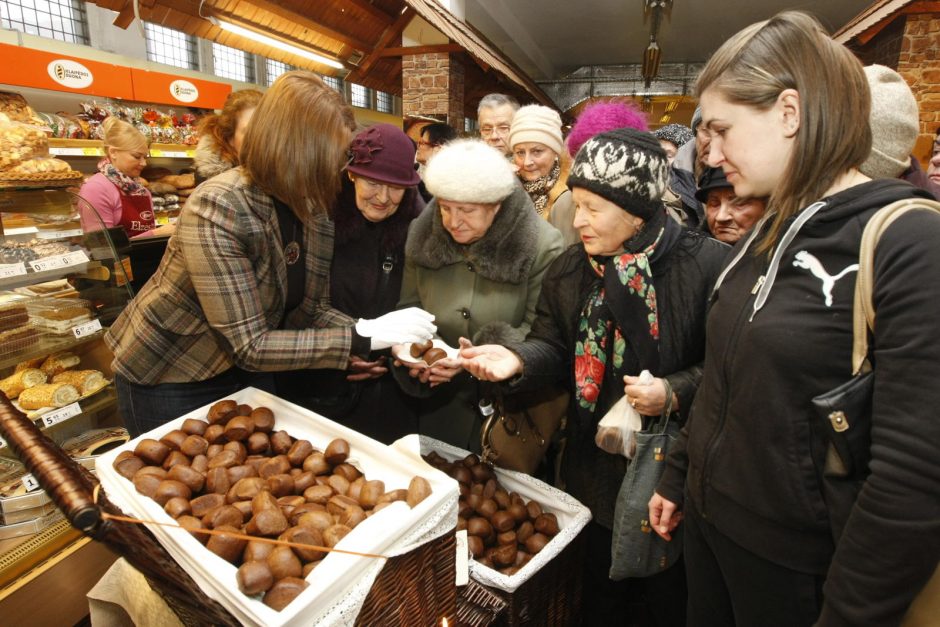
(502, 129)
(374, 187)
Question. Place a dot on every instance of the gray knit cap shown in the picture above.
(894, 122)
(625, 166)
(678, 134)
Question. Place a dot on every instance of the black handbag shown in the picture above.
(845, 412)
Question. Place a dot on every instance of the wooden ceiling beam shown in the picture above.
(320, 29)
(387, 36)
(400, 52)
(126, 16)
(371, 9)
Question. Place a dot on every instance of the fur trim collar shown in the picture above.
(207, 160)
(505, 254)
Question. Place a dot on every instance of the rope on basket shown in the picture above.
(214, 532)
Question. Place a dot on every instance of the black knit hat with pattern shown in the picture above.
(627, 167)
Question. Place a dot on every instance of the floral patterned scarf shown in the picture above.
(127, 185)
(621, 308)
(539, 188)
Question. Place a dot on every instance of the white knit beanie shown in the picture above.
(469, 170)
(894, 121)
(535, 123)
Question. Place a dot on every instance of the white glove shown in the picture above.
(398, 327)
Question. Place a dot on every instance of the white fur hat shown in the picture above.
(469, 170)
(535, 123)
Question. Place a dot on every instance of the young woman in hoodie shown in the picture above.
(221, 134)
(747, 472)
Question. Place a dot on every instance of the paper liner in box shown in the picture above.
(338, 587)
(572, 515)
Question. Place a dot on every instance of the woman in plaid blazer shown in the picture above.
(243, 289)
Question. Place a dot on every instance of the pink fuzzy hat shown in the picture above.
(601, 117)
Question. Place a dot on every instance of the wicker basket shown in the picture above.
(477, 606)
(552, 597)
(412, 589)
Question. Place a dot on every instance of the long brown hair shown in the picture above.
(296, 143)
(793, 51)
(222, 126)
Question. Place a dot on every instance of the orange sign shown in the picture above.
(177, 90)
(47, 70)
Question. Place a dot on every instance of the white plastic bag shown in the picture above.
(616, 432)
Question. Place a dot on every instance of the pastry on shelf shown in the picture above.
(47, 171)
(18, 339)
(86, 381)
(22, 380)
(58, 315)
(59, 362)
(48, 395)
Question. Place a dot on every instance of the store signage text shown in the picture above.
(70, 73)
(184, 91)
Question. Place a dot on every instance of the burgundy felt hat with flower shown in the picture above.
(384, 153)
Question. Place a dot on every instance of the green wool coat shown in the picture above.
(486, 291)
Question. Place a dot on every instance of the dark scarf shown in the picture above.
(128, 186)
(625, 295)
(539, 188)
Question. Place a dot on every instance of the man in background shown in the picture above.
(494, 117)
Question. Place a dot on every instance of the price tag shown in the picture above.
(30, 483)
(93, 152)
(66, 152)
(57, 262)
(86, 329)
(12, 269)
(59, 234)
(61, 414)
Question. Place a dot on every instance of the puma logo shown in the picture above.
(809, 262)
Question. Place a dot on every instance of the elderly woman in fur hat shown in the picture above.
(475, 259)
(633, 298)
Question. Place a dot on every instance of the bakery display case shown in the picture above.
(60, 287)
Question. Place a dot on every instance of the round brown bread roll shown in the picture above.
(204, 504)
(281, 442)
(547, 523)
(319, 520)
(146, 484)
(284, 563)
(254, 577)
(215, 434)
(152, 451)
(420, 348)
(174, 439)
(225, 516)
(434, 355)
(333, 534)
(127, 464)
(241, 453)
(317, 464)
(191, 426)
(256, 550)
(283, 592)
(186, 475)
(239, 428)
(175, 458)
(192, 524)
(194, 445)
(237, 473)
(178, 506)
(220, 412)
(228, 547)
(258, 443)
(263, 418)
(337, 452)
(306, 536)
(200, 464)
(268, 522)
(298, 452)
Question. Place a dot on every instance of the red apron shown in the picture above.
(136, 213)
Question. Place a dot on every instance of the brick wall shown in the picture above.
(919, 64)
(433, 84)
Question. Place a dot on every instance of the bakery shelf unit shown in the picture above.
(92, 148)
(60, 287)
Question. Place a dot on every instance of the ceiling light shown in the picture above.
(672, 106)
(664, 119)
(651, 59)
(276, 43)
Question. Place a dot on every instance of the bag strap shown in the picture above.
(863, 317)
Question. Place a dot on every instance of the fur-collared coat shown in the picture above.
(207, 161)
(486, 291)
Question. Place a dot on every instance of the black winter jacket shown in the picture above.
(751, 455)
(683, 279)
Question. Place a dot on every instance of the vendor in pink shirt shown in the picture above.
(116, 192)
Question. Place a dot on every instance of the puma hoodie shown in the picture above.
(779, 332)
